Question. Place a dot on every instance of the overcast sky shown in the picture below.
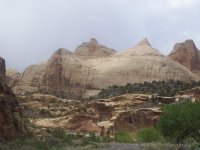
(31, 30)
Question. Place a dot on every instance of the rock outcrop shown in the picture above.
(126, 113)
(11, 122)
(186, 54)
(70, 74)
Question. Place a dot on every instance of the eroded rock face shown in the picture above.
(140, 118)
(126, 113)
(68, 74)
(83, 123)
(186, 54)
(63, 75)
(11, 123)
(12, 77)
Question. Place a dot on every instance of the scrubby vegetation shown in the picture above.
(122, 137)
(177, 128)
(147, 135)
(162, 88)
(56, 139)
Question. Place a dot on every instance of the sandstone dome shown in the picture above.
(137, 65)
(67, 73)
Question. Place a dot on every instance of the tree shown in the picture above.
(180, 121)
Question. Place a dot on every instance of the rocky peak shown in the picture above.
(62, 51)
(188, 46)
(145, 42)
(142, 48)
(93, 49)
(93, 41)
(187, 54)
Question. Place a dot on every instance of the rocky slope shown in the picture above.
(11, 123)
(71, 74)
(186, 54)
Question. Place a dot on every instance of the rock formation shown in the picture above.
(93, 66)
(186, 54)
(126, 113)
(12, 77)
(11, 123)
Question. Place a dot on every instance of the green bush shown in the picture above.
(147, 135)
(122, 137)
(180, 121)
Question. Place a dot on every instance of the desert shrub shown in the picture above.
(123, 137)
(147, 135)
(68, 138)
(105, 139)
(58, 133)
(180, 121)
(52, 141)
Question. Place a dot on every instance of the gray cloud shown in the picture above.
(31, 30)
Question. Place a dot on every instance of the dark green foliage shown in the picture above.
(162, 88)
(122, 137)
(147, 135)
(180, 121)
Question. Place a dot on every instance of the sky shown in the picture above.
(32, 30)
